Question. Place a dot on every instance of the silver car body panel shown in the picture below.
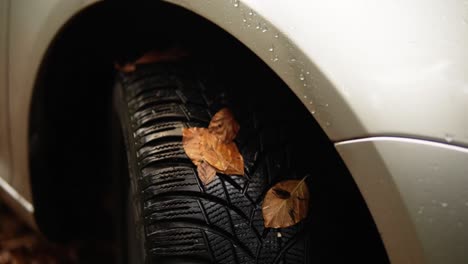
(362, 68)
(4, 129)
(414, 189)
(7, 192)
(375, 67)
(32, 27)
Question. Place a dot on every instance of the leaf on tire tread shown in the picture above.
(285, 204)
(224, 126)
(213, 146)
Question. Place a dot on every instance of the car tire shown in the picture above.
(177, 218)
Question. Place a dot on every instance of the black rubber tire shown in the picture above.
(179, 219)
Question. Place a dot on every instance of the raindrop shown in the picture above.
(448, 138)
(444, 204)
(250, 13)
(328, 124)
(276, 36)
(305, 96)
(236, 3)
(326, 105)
(313, 112)
(274, 57)
(308, 73)
(301, 77)
(263, 27)
(279, 234)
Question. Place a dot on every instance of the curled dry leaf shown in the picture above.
(224, 126)
(212, 148)
(285, 204)
(172, 54)
(193, 141)
(200, 145)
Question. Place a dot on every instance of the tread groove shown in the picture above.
(189, 223)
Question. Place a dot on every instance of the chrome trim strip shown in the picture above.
(15, 195)
(402, 139)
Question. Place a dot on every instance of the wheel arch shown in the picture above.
(323, 98)
(58, 123)
(62, 80)
(71, 102)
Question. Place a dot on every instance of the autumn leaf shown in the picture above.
(193, 142)
(213, 146)
(224, 126)
(285, 204)
(200, 145)
(153, 56)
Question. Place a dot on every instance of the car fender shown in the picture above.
(32, 27)
(362, 68)
(386, 69)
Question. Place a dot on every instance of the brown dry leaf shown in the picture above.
(192, 140)
(224, 126)
(172, 54)
(201, 145)
(285, 204)
(212, 149)
(225, 158)
(206, 172)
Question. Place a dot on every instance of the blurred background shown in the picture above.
(20, 244)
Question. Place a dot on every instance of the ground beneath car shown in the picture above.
(20, 244)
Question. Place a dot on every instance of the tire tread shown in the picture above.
(183, 219)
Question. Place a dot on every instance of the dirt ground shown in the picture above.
(19, 244)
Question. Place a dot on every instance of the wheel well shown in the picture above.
(72, 132)
(70, 120)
